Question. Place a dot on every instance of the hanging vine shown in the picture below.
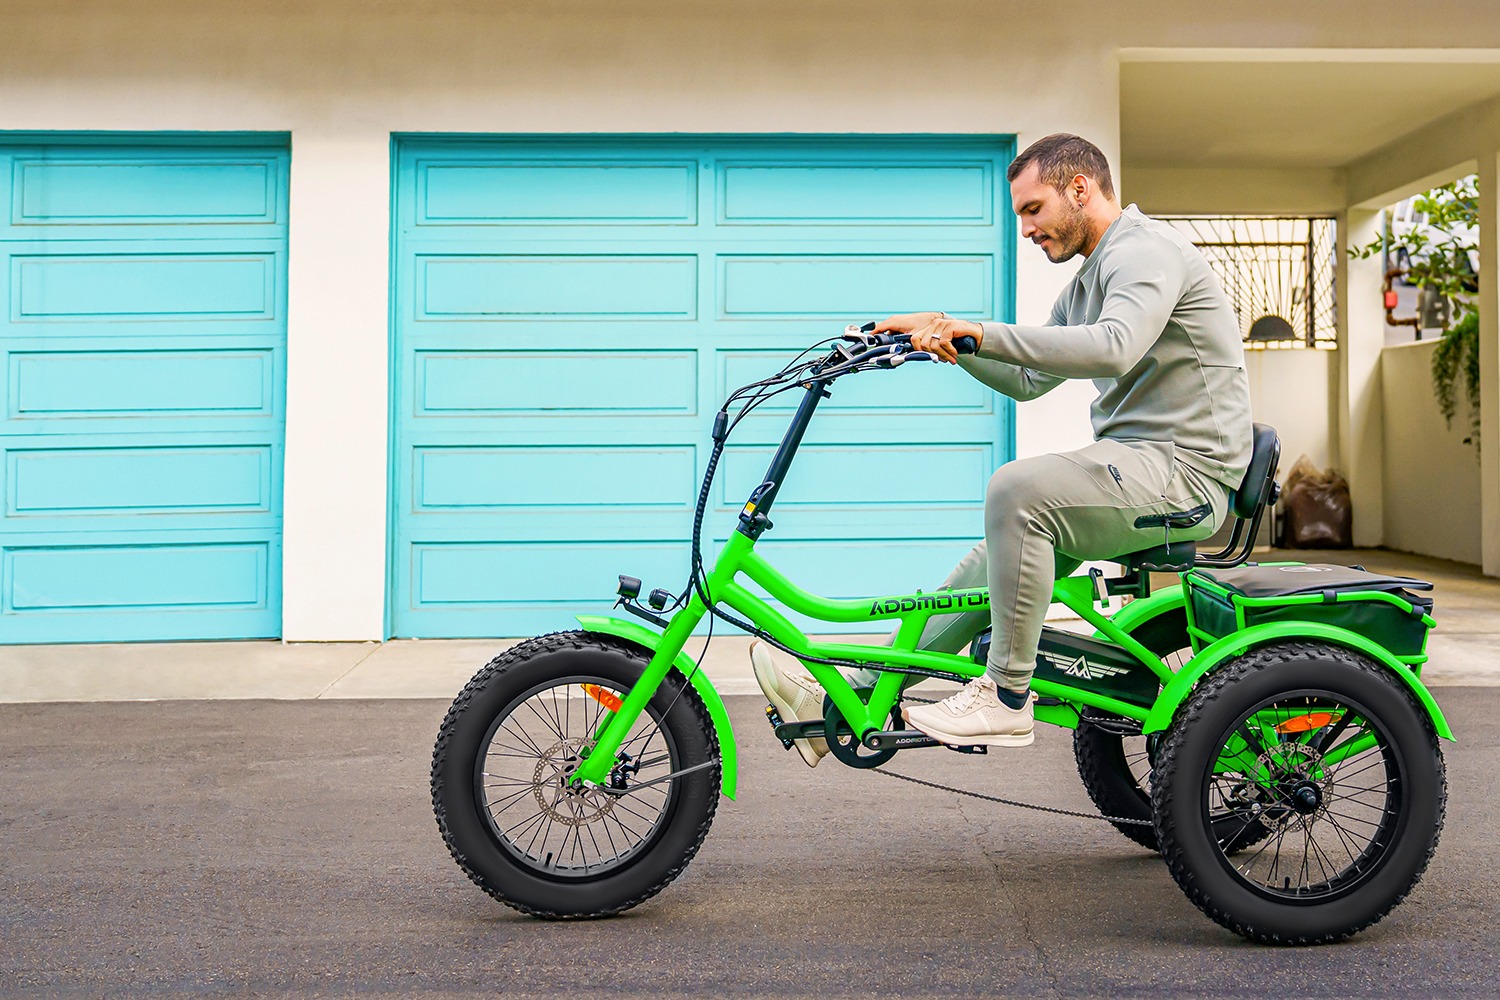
(1440, 252)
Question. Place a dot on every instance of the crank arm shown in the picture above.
(812, 729)
(618, 792)
(900, 739)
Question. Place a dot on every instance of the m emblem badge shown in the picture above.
(1080, 667)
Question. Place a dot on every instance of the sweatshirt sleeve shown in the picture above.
(1011, 380)
(1142, 278)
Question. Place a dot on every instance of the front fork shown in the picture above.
(601, 759)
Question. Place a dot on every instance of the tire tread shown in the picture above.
(495, 669)
(1217, 686)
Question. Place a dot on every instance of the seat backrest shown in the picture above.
(1265, 455)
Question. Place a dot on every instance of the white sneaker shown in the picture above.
(796, 696)
(975, 715)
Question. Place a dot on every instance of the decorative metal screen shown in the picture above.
(1278, 273)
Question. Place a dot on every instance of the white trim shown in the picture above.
(1211, 55)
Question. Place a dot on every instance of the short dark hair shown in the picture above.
(1061, 157)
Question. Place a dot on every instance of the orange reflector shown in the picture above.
(1306, 723)
(603, 697)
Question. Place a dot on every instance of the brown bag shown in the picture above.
(1316, 512)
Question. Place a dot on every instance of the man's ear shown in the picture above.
(1078, 190)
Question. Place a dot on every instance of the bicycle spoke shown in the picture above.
(576, 830)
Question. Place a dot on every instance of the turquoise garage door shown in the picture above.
(143, 349)
(571, 312)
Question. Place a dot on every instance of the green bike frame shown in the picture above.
(739, 562)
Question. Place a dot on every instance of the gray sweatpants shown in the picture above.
(1044, 516)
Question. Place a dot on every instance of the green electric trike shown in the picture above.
(1264, 727)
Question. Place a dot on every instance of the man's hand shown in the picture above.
(932, 332)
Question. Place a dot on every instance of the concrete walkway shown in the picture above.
(1465, 650)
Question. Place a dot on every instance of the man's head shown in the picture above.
(1061, 189)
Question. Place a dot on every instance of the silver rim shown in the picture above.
(547, 823)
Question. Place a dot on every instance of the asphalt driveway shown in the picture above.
(270, 849)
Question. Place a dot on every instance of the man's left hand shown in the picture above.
(936, 338)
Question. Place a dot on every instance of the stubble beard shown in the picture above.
(1072, 234)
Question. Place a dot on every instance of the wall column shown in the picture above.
(334, 554)
(1361, 336)
(1489, 362)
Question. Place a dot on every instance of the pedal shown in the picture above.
(774, 718)
(979, 749)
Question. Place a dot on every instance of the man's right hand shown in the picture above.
(906, 322)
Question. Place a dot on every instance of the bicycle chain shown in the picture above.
(1011, 802)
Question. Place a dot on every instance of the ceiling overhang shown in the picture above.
(1287, 109)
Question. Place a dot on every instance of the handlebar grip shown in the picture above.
(965, 345)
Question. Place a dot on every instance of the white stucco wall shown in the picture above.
(1432, 497)
(343, 75)
(1290, 390)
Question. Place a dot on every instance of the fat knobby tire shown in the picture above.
(468, 833)
(1101, 759)
(1100, 756)
(1178, 790)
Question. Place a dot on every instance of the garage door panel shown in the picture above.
(844, 194)
(517, 383)
(137, 576)
(561, 286)
(841, 287)
(119, 191)
(920, 388)
(143, 190)
(108, 287)
(480, 589)
(579, 476)
(43, 481)
(863, 475)
(509, 193)
(570, 313)
(95, 384)
(143, 348)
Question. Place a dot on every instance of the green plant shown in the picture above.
(1439, 257)
(1458, 350)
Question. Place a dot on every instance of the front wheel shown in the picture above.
(1333, 755)
(505, 802)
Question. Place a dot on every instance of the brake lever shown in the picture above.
(865, 335)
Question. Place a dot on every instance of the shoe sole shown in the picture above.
(1016, 740)
(768, 688)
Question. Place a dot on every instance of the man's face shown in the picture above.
(1049, 218)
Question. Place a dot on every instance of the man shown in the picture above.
(1147, 320)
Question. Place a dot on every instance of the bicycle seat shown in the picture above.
(1175, 558)
(1247, 504)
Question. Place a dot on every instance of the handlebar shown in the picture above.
(865, 335)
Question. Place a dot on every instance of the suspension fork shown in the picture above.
(601, 758)
(753, 522)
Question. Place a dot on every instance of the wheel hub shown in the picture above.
(1297, 785)
(1306, 797)
(552, 785)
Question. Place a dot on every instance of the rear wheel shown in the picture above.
(1334, 756)
(1117, 763)
(505, 802)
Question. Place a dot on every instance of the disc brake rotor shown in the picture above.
(1297, 774)
(564, 802)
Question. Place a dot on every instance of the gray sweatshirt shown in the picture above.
(1147, 320)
